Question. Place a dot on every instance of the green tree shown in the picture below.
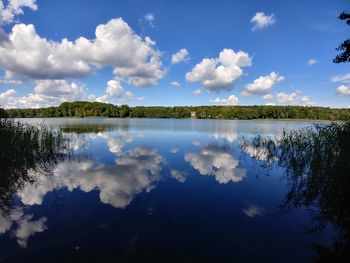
(344, 47)
(124, 111)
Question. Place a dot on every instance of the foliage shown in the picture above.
(98, 109)
(316, 161)
(25, 149)
(344, 47)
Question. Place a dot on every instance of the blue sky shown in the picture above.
(233, 52)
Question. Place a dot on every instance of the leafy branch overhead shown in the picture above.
(344, 47)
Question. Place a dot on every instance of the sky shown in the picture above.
(173, 53)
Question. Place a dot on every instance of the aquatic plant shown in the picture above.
(316, 163)
(25, 150)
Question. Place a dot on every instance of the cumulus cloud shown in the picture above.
(231, 100)
(4, 97)
(293, 98)
(197, 92)
(14, 8)
(24, 226)
(312, 62)
(260, 20)
(175, 84)
(59, 88)
(268, 96)
(115, 93)
(216, 161)
(47, 93)
(306, 100)
(342, 90)
(262, 85)
(286, 98)
(219, 74)
(345, 78)
(181, 55)
(133, 58)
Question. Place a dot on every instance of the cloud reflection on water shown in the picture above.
(135, 170)
(216, 160)
(21, 226)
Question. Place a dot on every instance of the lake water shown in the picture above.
(158, 190)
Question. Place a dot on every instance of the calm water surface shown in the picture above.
(157, 190)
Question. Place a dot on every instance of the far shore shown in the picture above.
(85, 109)
(216, 119)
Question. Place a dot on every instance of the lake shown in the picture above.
(167, 190)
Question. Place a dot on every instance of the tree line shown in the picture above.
(83, 109)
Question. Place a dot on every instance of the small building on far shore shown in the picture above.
(193, 114)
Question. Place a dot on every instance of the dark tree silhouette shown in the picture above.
(344, 47)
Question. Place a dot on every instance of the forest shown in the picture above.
(83, 109)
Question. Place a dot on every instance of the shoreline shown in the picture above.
(213, 119)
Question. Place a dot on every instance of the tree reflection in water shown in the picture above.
(316, 161)
(25, 149)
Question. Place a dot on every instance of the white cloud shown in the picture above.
(181, 55)
(306, 100)
(48, 93)
(219, 74)
(260, 20)
(268, 96)
(4, 97)
(14, 8)
(341, 78)
(215, 160)
(175, 84)
(343, 90)
(114, 88)
(196, 92)
(59, 88)
(133, 58)
(286, 98)
(150, 19)
(231, 100)
(312, 62)
(294, 98)
(115, 93)
(262, 85)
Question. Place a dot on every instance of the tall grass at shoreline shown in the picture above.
(25, 149)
